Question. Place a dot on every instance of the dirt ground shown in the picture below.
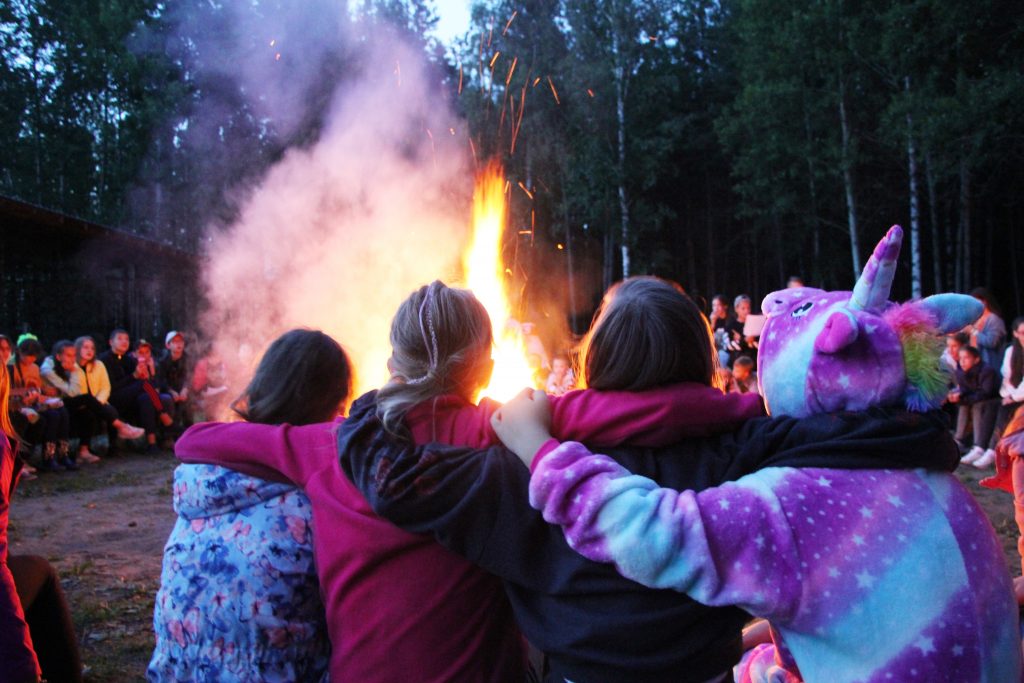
(104, 529)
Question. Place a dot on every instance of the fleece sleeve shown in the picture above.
(657, 417)
(273, 452)
(728, 545)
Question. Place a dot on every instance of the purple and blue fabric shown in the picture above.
(239, 598)
(869, 575)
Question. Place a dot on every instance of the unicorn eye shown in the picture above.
(802, 309)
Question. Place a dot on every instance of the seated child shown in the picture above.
(562, 378)
(239, 597)
(866, 575)
(743, 376)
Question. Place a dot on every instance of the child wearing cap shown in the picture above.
(173, 372)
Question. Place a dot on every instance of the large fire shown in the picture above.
(485, 276)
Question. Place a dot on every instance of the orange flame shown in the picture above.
(485, 276)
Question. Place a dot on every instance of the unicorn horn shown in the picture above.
(872, 289)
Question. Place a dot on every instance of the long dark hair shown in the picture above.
(1016, 355)
(304, 377)
(648, 333)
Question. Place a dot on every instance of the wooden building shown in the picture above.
(62, 277)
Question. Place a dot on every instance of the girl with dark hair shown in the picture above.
(261, 615)
(421, 608)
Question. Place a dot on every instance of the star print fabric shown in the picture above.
(870, 575)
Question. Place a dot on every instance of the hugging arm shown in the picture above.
(282, 453)
(726, 545)
(455, 494)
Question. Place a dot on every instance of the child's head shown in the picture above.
(742, 306)
(647, 333)
(968, 357)
(29, 350)
(144, 350)
(65, 355)
(85, 350)
(955, 342)
(560, 366)
(175, 343)
(304, 377)
(119, 341)
(441, 343)
(742, 367)
(719, 306)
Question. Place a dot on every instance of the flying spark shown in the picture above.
(553, 91)
(510, 20)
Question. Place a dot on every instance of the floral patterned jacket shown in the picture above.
(239, 598)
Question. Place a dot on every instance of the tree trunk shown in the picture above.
(915, 217)
(933, 214)
(813, 190)
(964, 241)
(619, 73)
(851, 206)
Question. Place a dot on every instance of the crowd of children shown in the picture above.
(78, 394)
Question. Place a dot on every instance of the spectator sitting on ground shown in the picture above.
(719, 320)
(1011, 390)
(977, 397)
(95, 382)
(125, 387)
(744, 377)
(739, 344)
(42, 419)
(173, 372)
(561, 378)
(156, 403)
(210, 385)
(988, 331)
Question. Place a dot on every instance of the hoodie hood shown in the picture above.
(202, 491)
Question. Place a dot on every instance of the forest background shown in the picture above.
(724, 144)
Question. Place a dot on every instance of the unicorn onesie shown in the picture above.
(865, 575)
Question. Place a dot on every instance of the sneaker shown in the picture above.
(27, 474)
(130, 433)
(27, 469)
(986, 460)
(88, 457)
(972, 455)
(68, 464)
(50, 465)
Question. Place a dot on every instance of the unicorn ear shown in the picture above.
(839, 332)
(953, 311)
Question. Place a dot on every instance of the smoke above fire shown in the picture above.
(338, 233)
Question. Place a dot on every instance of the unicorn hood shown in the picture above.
(830, 351)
